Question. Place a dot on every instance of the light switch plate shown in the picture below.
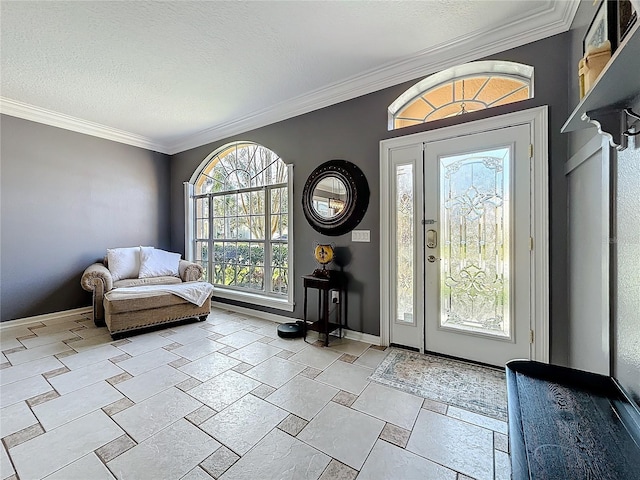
(361, 235)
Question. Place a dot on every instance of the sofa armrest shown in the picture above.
(97, 276)
(97, 279)
(189, 271)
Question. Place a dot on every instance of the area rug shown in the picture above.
(469, 386)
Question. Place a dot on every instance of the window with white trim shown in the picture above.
(462, 89)
(239, 209)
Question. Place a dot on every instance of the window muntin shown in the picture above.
(462, 89)
(238, 166)
(241, 221)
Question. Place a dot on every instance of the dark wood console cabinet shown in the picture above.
(336, 281)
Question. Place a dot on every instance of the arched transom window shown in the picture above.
(241, 224)
(462, 89)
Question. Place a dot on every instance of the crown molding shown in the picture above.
(548, 22)
(25, 111)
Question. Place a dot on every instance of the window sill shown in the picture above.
(254, 299)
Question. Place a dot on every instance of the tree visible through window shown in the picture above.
(241, 220)
(462, 89)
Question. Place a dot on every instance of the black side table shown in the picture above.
(336, 281)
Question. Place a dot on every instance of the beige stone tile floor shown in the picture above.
(225, 399)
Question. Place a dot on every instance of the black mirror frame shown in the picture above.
(356, 203)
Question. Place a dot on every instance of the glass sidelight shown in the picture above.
(404, 231)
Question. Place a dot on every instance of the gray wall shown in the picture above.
(349, 131)
(352, 130)
(67, 197)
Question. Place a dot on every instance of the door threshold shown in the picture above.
(404, 347)
(465, 360)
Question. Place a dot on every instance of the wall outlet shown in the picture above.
(335, 296)
(361, 235)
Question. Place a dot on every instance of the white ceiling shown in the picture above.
(177, 74)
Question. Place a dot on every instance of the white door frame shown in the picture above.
(537, 120)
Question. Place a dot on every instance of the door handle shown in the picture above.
(432, 238)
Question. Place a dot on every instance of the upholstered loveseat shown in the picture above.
(123, 270)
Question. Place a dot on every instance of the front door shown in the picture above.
(464, 239)
(477, 251)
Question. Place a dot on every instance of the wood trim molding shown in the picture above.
(350, 334)
(57, 317)
(25, 111)
(555, 19)
(537, 119)
(49, 318)
(472, 47)
(584, 154)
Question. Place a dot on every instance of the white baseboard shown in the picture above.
(58, 317)
(254, 313)
(48, 318)
(362, 337)
(350, 334)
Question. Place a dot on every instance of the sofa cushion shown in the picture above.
(136, 282)
(124, 262)
(119, 301)
(156, 263)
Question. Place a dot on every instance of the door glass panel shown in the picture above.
(474, 250)
(404, 242)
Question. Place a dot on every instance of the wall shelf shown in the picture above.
(615, 88)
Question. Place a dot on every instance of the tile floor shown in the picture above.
(226, 399)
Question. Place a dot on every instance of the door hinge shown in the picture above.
(531, 336)
(531, 243)
(531, 150)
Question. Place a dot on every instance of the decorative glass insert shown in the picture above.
(238, 166)
(462, 89)
(475, 284)
(242, 219)
(405, 228)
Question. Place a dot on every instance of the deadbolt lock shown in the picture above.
(432, 238)
(431, 258)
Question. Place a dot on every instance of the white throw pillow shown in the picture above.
(124, 262)
(158, 263)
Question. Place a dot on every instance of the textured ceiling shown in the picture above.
(179, 74)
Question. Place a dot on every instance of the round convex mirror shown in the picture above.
(335, 197)
(329, 197)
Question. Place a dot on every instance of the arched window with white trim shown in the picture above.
(239, 225)
(462, 89)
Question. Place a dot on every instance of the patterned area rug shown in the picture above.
(472, 387)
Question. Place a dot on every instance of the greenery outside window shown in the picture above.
(240, 225)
